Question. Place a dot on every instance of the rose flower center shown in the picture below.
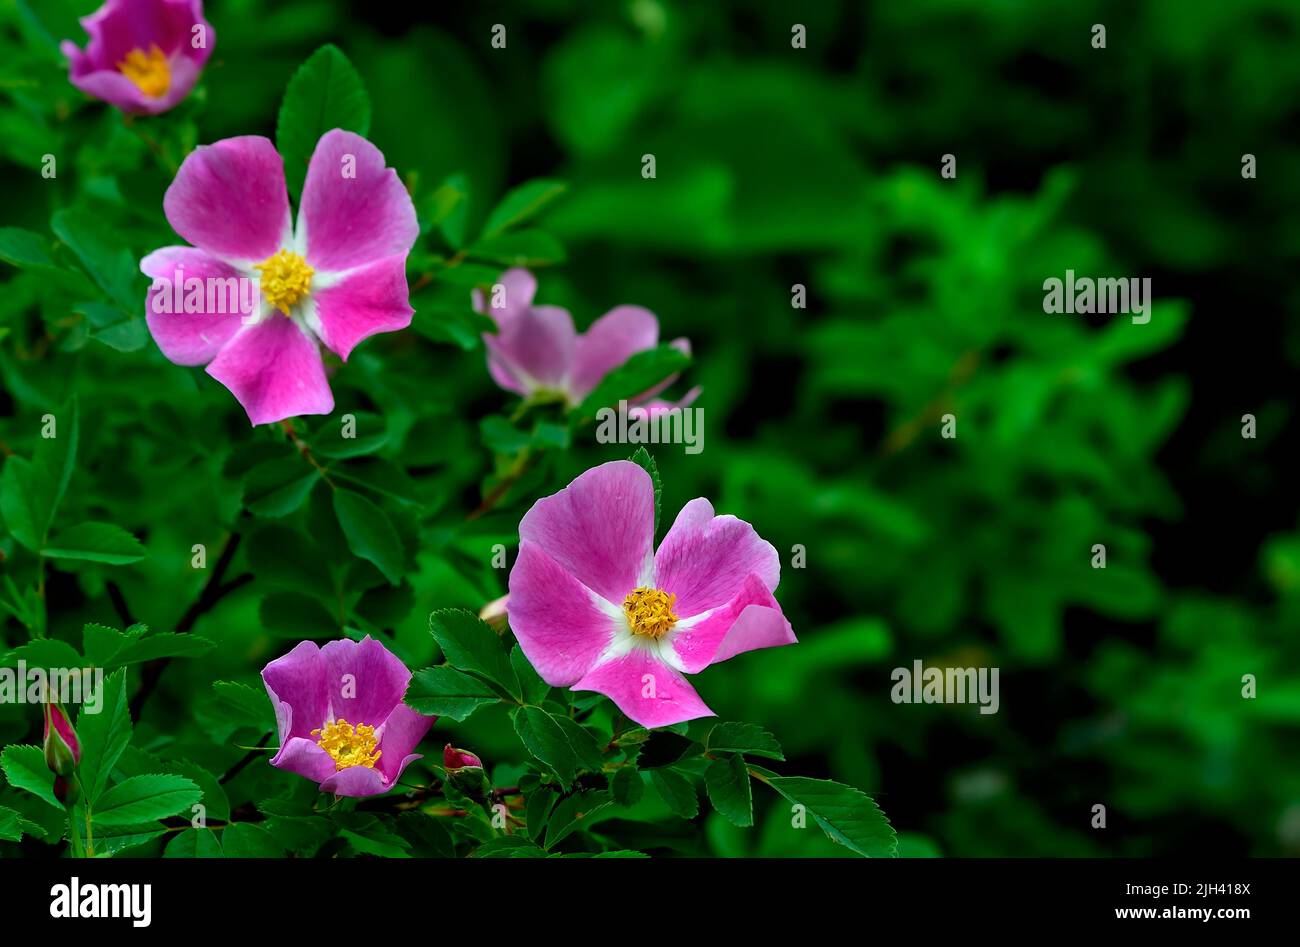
(349, 745)
(148, 71)
(650, 612)
(286, 278)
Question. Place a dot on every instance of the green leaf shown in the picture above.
(525, 248)
(546, 740)
(538, 809)
(95, 542)
(325, 93)
(137, 762)
(521, 204)
(118, 329)
(447, 692)
(100, 249)
(194, 843)
(502, 437)
(367, 433)
(246, 840)
(459, 325)
(111, 841)
(285, 557)
(469, 276)
(1123, 340)
(109, 648)
(24, 768)
(24, 502)
(471, 645)
(727, 782)
(371, 834)
(295, 615)
(530, 682)
(509, 846)
(573, 813)
(660, 747)
(44, 653)
(279, 486)
(626, 786)
(24, 248)
(436, 206)
(743, 738)
(244, 705)
(453, 210)
(426, 835)
(103, 736)
(370, 533)
(643, 459)
(161, 645)
(847, 815)
(637, 375)
(584, 744)
(101, 643)
(30, 491)
(13, 826)
(214, 798)
(676, 791)
(144, 799)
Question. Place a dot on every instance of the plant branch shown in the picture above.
(213, 592)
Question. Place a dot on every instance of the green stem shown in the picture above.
(90, 834)
(74, 834)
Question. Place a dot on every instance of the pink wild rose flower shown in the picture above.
(337, 278)
(537, 354)
(596, 608)
(144, 56)
(341, 718)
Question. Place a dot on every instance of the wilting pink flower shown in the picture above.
(341, 717)
(595, 608)
(537, 353)
(340, 277)
(62, 751)
(144, 56)
(454, 759)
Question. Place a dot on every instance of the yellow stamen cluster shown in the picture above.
(286, 278)
(148, 71)
(650, 612)
(350, 746)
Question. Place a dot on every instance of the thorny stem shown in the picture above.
(305, 450)
(903, 435)
(248, 758)
(497, 493)
(154, 146)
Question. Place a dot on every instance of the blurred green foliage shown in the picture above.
(776, 167)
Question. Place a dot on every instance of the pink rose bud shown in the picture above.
(454, 759)
(62, 751)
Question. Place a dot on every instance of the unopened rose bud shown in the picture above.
(62, 751)
(465, 772)
(494, 613)
(454, 759)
